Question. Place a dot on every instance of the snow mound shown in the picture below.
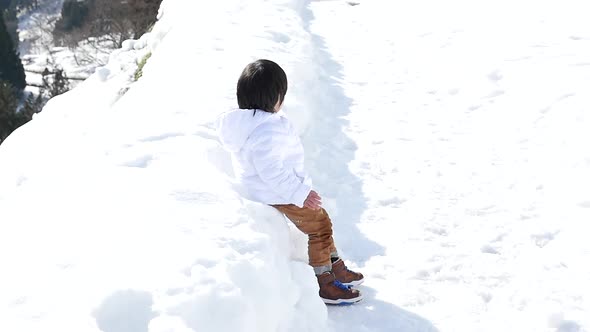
(117, 208)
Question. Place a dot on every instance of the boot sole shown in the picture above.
(354, 283)
(343, 301)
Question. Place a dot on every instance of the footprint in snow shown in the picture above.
(438, 230)
(484, 211)
(488, 249)
(486, 297)
(558, 322)
(392, 201)
(141, 162)
(280, 37)
(160, 137)
(495, 94)
(495, 76)
(542, 239)
(474, 107)
(564, 97)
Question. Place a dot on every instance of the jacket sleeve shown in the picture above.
(268, 162)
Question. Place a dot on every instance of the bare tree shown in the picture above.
(122, 20)
(100, 21)
(142, 14)
(109, 20)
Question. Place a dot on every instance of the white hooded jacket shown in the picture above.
(267, 156)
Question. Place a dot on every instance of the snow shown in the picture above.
(448, 141)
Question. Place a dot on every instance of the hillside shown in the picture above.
(449, 142)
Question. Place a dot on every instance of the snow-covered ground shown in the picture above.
(448, 140)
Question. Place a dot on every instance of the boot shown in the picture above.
(333, 291)
(345, 276)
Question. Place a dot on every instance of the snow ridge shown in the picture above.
(134, 213)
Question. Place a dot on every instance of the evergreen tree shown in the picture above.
(11, 22)
(73, 15)
(11, 67)
(4, 4)
(8, 105)
(11, 118)
(33, 104)
(55, 84)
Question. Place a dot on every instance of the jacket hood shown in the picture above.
(234, 127)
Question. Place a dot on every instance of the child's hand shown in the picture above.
(313, 201)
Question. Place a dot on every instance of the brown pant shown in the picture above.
(318, 226)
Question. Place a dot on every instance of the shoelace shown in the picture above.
(349, 271)
(341, 285)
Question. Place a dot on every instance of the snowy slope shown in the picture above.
(449, 142)
(117, 214)
(470, 128)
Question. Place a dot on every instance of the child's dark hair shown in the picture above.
(262, 84)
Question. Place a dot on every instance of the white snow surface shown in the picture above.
(448, 140)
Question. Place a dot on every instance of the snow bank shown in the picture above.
(117, 210)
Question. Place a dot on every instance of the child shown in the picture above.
(267, 158)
